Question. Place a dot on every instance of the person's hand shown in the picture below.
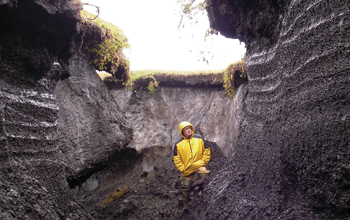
(203, 170)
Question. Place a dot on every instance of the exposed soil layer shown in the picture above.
(166, 80)
(32, 173)
(291, 160)
(27, 33)
(91, 125)
(203, 81)
(248, 20)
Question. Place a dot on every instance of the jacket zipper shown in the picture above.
(190, 147)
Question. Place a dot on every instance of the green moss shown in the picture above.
(153, 84)
(229, 76)
(115, 195)
(129, 85)
(105, 43)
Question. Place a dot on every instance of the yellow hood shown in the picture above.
(184, 124)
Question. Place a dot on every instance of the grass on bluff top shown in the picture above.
(137, 74)
(234, 73)
(153, 84)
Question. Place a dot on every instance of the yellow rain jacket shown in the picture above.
(190, 153)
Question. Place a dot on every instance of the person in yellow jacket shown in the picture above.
(191, 155)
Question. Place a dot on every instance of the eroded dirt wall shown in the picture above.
(291, 159)
(91, 125)
(32, 173)
(155, 117)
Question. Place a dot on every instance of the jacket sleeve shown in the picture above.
(205, 152)
(193, 167)
(206, 155)
(178, 160)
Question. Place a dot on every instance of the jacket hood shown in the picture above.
(184, 124)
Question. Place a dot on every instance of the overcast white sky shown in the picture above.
(156, 42)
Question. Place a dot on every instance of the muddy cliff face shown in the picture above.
(91, 125)
(291, 159)
(155, 117)
(145, 166)
(33, 181)
(41, 156)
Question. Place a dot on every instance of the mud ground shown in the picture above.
(153, 194)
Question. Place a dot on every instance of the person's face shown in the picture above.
(187, 132)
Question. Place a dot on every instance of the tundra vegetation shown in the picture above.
(104, 43)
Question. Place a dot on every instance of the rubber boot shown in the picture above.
(203, 172)
(186, 189)
(186, 196)
(202, 175)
